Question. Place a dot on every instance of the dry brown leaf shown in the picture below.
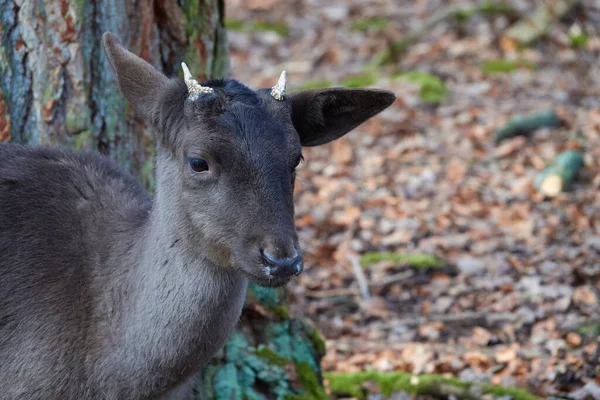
(573, 339)
(507, 354)
(375, 307)
(476, 358)
(585, 295)
(481, 336)
(510, 147)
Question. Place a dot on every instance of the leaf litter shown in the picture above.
(512, 295)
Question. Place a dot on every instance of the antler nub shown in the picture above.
(278, 91)
(194, 88)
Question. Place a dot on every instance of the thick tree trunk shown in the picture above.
(56, 88)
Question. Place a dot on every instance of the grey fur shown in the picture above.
(108, 294)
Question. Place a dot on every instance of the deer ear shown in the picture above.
(139, 81)
(323, 115)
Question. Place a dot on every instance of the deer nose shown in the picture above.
(283, 267)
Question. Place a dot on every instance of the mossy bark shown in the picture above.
(271, 356)
(57, 89)
(56, 84)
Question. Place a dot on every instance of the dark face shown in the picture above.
(231, 152)
(238, 157)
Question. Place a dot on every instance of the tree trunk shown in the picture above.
(56, 88)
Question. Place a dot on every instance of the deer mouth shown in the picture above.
(266, 281)
(264, 275)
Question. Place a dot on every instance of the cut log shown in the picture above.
(560, 174)
(525, 125)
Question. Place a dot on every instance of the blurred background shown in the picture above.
(466, 267)
(452, 243)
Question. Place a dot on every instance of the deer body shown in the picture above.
(94, 254)
(108, 294)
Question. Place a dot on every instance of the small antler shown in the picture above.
(194, 88)
(278, 91)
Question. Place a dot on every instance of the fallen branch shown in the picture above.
(467, 317)
(340, 292)
(328, 293)
(361, 278)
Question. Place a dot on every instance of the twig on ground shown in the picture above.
(469, 317)
(339, 292)
(361, 278)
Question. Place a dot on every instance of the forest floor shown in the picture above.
(490, 281)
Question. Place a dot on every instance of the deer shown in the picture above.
(107, 292)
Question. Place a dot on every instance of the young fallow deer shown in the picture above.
(106, 293)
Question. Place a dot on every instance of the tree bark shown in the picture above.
(57, 86)
(57, 89)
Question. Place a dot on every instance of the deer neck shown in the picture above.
(181, 308)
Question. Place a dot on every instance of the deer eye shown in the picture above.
(197, 164)
(298, 160)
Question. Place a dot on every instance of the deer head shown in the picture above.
(226, 157)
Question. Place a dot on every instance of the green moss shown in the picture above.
(257, 26)
(314, 85)
(79, 7)
(360, 80)
(264, 26)
(3, 61)
(412, 260)
(490, 9)
(271, 356)
(590, 329)
(234, 24)
(516, 393)
(77, 121)
(317, 341)
(191, 11)
(310, 383)
(505, 66)
(281, 311)
(352, 384)
(433, 90)
(579, 40)
(494, 8)
(369, 24)
(84, 140)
